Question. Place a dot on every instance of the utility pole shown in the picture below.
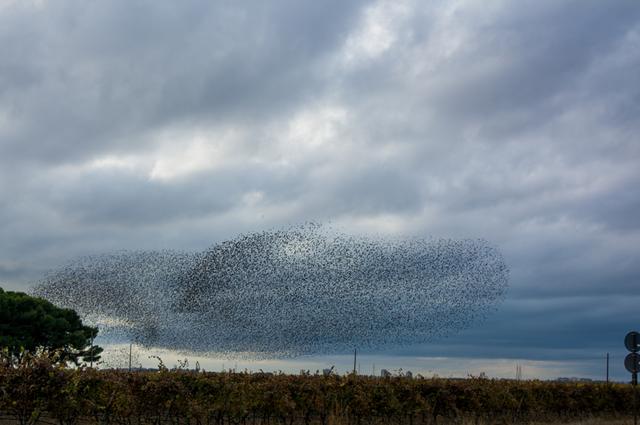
(355, 356)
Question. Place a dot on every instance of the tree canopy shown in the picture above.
(34, 325)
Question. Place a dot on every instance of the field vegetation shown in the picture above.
(38, 390)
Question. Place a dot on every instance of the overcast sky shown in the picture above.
(133, 124)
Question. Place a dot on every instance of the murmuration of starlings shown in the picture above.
(306, 289)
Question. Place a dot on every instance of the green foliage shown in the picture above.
(30, 325)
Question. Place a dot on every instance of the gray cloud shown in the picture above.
(131, 125)
(100, 74)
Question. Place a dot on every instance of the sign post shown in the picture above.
(632, 364)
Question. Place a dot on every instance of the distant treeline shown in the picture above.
(36, 391)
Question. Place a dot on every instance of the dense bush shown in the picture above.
(38, 389)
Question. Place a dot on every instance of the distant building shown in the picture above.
(385, 373)
(408, 374)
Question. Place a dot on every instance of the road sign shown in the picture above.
(632, 341)
(632, 362)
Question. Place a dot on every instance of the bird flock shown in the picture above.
(282, 293)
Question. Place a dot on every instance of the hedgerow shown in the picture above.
(38, 390)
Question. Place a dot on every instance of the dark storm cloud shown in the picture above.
(135, 125)
(565, 329)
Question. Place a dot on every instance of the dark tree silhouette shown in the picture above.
(31, 325)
